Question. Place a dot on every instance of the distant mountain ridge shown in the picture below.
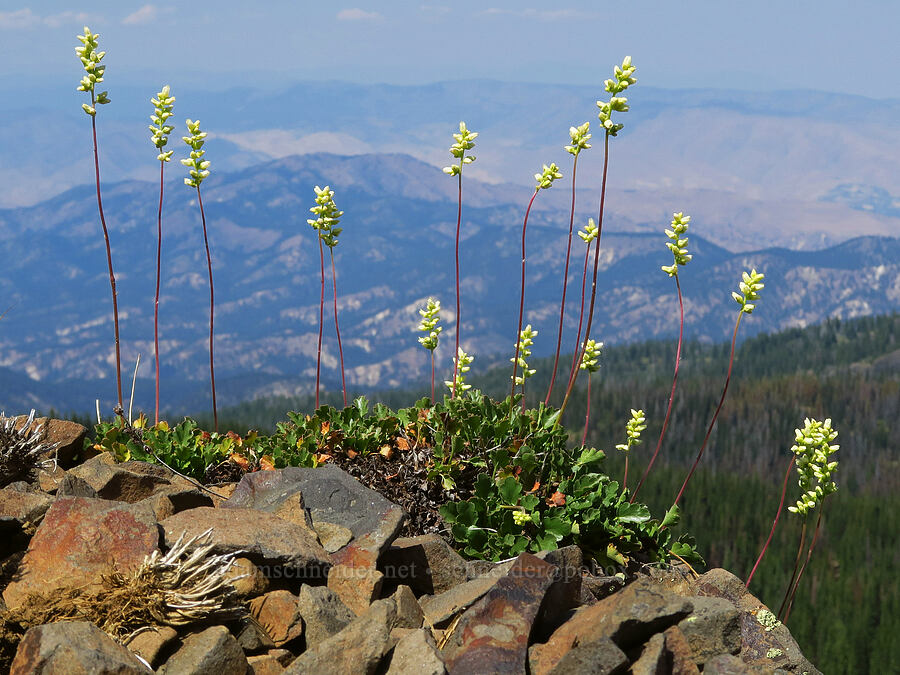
(395, 252)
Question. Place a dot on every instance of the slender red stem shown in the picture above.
(512, 390)
(625, 475)
(787, 474)
(156, 297)
(562, 304)
(432, 376)
(321, 316)
(337, 328)
(718, 408)
(587, 252)
(112, 276)
(662, 432)
(212, 307)
(587, 414)
(787, 592)
(812, 545)
(458, 223)
(587, 330)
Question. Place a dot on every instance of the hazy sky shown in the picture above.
(831, 45)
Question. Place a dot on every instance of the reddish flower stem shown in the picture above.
(156, 297)
(432, 376)
(321, 315)
(716, 415)
(787, 592)
(337, 328)
(662, 432)
(112, 276)
(765, 547)
(587, 330)
(212, 306)
(458, 223)
(812, 545)
(587, 414)
(512, 389)
(587, 252)
(562, 305)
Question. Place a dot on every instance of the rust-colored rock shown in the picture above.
(278, 613)
(495, 629)
(357, 587)
(79, 540)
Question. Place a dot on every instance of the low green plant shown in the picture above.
(198, 171)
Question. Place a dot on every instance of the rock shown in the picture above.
(213, 651)
(409, 612)
(81, 539)
(332, 537)
(49, 478)
(272, 662)
(598, 657)
(332, 496)
(600, 587)
(416, 654)
(358, 648)
(323, 613)
(66, 437)
(277, 547)
(427, 564)
(170, 500)
(73, 486)
(727, 664)
(564, 594)
(440, 608)
(495, 629)
(355, 586)
(476, 569)
(23, 507)
(247, 579)
(761, 633)
(126, 482)
(653, 659)
(151, 644)
(679, 652)
(73, 648)
(714, 627)
(251, 637)
(279, 613)
(628, 618)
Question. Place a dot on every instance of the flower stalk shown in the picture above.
(159, 135)
(580, 138)
(90, 60)
(591, 363)
(465, 141)
(198, 170)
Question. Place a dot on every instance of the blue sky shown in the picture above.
(830, 45)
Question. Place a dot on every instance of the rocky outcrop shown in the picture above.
(328, 588)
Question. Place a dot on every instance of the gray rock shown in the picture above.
(427, 564)
(126, 482)
(323, 613)
(599, 657)
(416, 654)
(213, 651)
(73, 648)
(409, 612)
(440, 608)
(333, 496)
(714, 627)
(358, 648)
